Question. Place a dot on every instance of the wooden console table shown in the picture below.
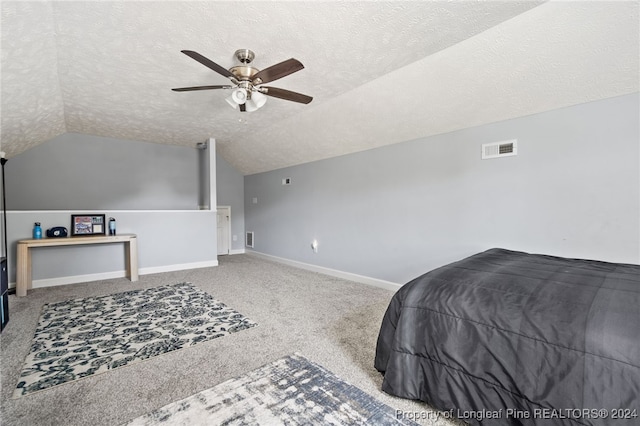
(23, 271)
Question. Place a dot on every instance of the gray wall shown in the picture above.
(81, 172)
(167, 240)
(396, 212)
(230, 183)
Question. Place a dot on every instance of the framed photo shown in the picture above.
(87, 224)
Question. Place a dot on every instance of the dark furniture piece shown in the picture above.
(544, 337)
(4, 274)
(4, 293)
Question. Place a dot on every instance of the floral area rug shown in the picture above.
(83, 337)
(289, 391)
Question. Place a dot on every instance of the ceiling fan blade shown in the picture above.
(209, 63)
(189, 89)
(277, 71)
(286, 94)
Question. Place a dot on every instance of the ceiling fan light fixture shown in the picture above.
(256, 101)
(239, 95)
(231, 101)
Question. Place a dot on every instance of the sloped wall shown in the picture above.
(74, 171)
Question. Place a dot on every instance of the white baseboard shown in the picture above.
(178, 267)
(75, 279)
(387, 285)
(233, 251)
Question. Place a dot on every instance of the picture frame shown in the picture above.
(87, 224)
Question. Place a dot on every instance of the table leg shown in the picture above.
(131, 252)
(23, 272)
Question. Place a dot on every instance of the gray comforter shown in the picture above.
(527, 339)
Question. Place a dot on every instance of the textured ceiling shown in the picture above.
(379, 72)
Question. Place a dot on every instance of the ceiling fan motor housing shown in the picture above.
(243, 72)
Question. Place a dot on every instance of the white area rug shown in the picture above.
(83, 337)
(289, 391)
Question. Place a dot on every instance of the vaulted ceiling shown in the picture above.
(379, 72)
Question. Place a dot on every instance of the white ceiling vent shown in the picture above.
(499, 149)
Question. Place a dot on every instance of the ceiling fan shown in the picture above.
(248, 93)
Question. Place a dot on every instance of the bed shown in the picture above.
(506, 337)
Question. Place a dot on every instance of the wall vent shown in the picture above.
(286, 181)
(499, 149)
(249, 240)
